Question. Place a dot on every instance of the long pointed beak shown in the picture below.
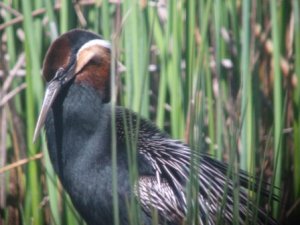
(50, 95)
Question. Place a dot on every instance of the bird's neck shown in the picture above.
(72, 128)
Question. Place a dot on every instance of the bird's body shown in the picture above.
(84, 163)
(78, 125)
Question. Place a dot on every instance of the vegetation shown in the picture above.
(221, 75)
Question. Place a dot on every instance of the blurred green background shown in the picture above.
(222, 75)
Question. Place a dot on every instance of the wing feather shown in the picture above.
(173, 162)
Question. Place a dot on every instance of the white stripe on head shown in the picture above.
(99, 42)
(93, 49)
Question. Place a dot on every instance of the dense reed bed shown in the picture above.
(223, 76)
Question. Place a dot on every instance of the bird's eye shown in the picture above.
(58, 74)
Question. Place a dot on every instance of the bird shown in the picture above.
(77, 115)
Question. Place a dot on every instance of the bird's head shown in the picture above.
(77, 56)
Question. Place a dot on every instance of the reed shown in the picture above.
(221, 75)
